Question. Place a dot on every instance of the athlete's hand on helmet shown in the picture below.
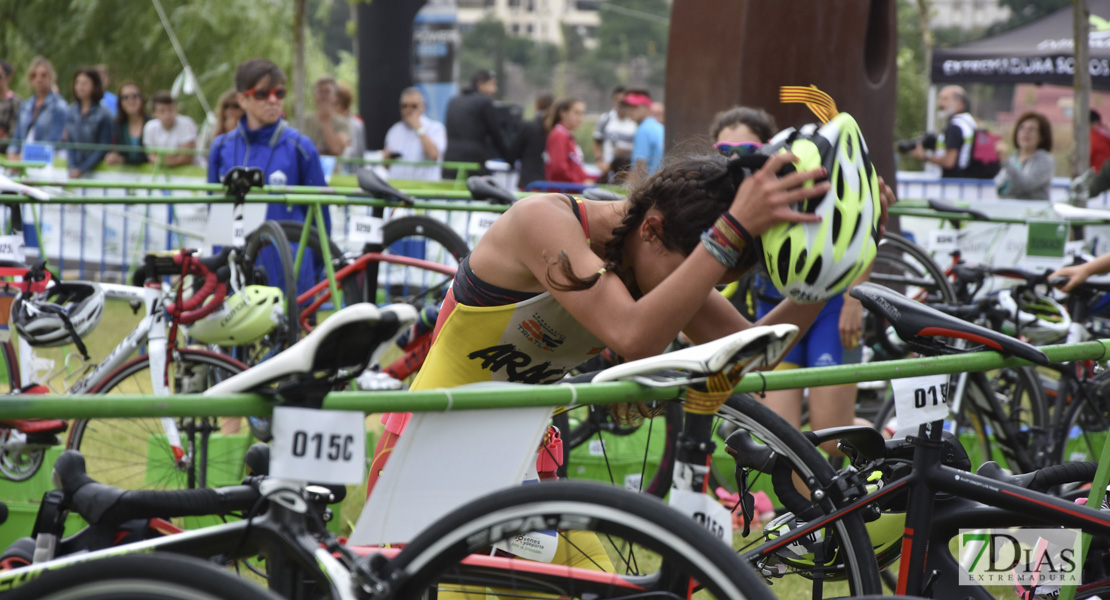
(1076, 275)
(765, 199)
(886, 198)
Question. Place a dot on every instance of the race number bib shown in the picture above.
(322, 446)
(919, 400)
(943, 241)
(705, 511)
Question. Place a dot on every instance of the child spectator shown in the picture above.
(128, 130)
(87, 122)
(169, 130)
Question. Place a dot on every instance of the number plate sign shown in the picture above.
(943, 241)
(321, 446)
(238, 233)
(364, 229)
(11, 248)
(705, 511)
(919, 400)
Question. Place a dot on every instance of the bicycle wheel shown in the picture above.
(268, 260)
(790, 455)
(643, 548)
(852, 566)
(352, 293)
(907, 267)
(134, 453)
(424, 238)
(22, 464)
(637, 456)
(157, 576)
(1081, 432)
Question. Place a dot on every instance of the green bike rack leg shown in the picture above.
(325, 250)
(301, 245)
(1094, 499)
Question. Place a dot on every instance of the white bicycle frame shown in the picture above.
(150, 331)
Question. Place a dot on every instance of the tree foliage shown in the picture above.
(215, 35)
(1026, 11)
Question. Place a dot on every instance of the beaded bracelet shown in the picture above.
(727, 241)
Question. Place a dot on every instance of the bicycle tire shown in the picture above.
(352, 293)
(643, 524)
(744, 412)
(155, 576)
(1028, 417)
(133, 454)
(1081, 432)
(434, 241)
(656, 483)
(22, 466)
(271, 235)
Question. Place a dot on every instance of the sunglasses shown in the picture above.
(730, 149)
(405, 105)
(257, 94)
(130, 96)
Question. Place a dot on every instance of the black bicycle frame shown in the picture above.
(996, 504)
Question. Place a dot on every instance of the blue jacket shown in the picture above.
(93, 128)
(286, 156)
(48, 126)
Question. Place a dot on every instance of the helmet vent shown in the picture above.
(815, 272)
(838, 216)
(839, 184)
(784, 261)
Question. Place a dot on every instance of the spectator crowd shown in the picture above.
(148, 128)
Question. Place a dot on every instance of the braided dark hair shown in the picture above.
(689, 191)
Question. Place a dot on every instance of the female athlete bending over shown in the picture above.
(556, 278)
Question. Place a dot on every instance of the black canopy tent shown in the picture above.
(1040, 52)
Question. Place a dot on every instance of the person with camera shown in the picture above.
(952, 149)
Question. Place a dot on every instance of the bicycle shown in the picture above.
(925, 478)
(284, 522)
(149, 453)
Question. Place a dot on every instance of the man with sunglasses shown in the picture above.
(415, 138)
(266, 141)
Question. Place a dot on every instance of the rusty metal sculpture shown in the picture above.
(723, 53)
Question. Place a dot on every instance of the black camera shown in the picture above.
(928, 141)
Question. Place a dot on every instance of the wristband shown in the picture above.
(727, 241)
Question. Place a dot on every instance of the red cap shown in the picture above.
(636, 99)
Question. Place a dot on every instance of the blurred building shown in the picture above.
(539, 20)
(968, 14)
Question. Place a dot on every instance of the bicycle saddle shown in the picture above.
(483, 187)
(377, 187)
(914, 322)
(7, 186)
(599, 193)
(945, 206)
(346, 341)
(753, 347)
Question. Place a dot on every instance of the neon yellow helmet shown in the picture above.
(244, 318)
(812, 262)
